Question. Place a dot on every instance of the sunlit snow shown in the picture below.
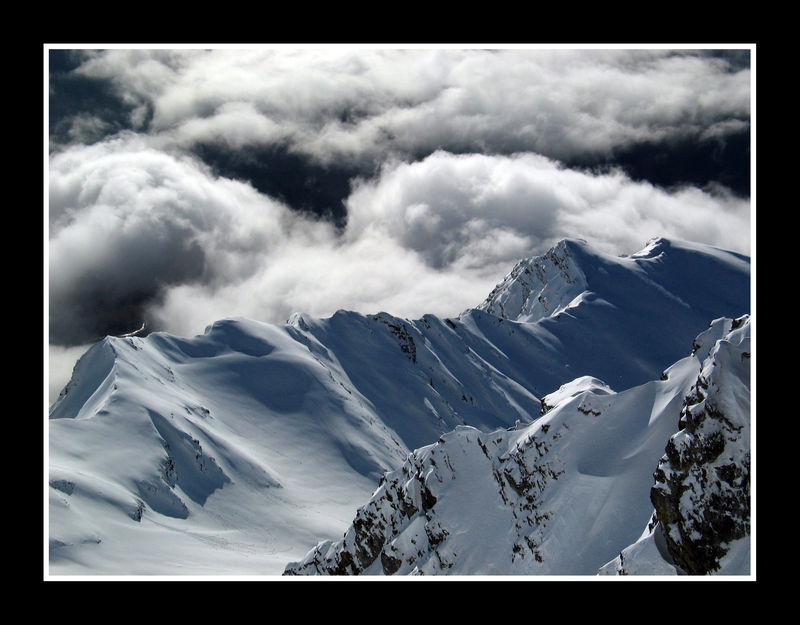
(238, 451)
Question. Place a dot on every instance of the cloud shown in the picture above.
(362, 104)
(60, 363)
(128, 222)
(194, 189)
(447, 207)
(140, 233)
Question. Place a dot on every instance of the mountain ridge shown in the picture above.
(544, 499)
(260, 439)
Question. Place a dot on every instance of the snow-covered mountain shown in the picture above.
(237, 451)
(561, 495)
(701, 492)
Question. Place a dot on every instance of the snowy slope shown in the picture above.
(701, 522)
(558, 497)
(236, 451)
(185, 459)
(627, 316)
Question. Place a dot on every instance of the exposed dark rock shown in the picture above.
(390, 564)
(701, 493)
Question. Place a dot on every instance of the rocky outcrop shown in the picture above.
(541, 498)
(400, 331)
(554, 496)
(403, 529)
(702, 484)
(402, 501)
(537, 287)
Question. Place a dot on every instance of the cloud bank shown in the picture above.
(265, 182)
(362, 104)
(138, 226)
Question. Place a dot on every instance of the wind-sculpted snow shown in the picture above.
(237, 450)
(701, 492)
(560, 496)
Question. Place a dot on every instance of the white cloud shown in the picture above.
(60, 362)
(134, 220)
(128, 221)
(448, 206)
(432, 236)
(362, 104)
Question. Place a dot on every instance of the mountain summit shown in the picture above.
(238, 450)
(539, 287)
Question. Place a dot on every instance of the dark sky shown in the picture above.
(692, 160)
(73, 95)
(301, 183)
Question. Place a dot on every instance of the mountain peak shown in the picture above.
(539, 286)
(573, 272)
(653, 248)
